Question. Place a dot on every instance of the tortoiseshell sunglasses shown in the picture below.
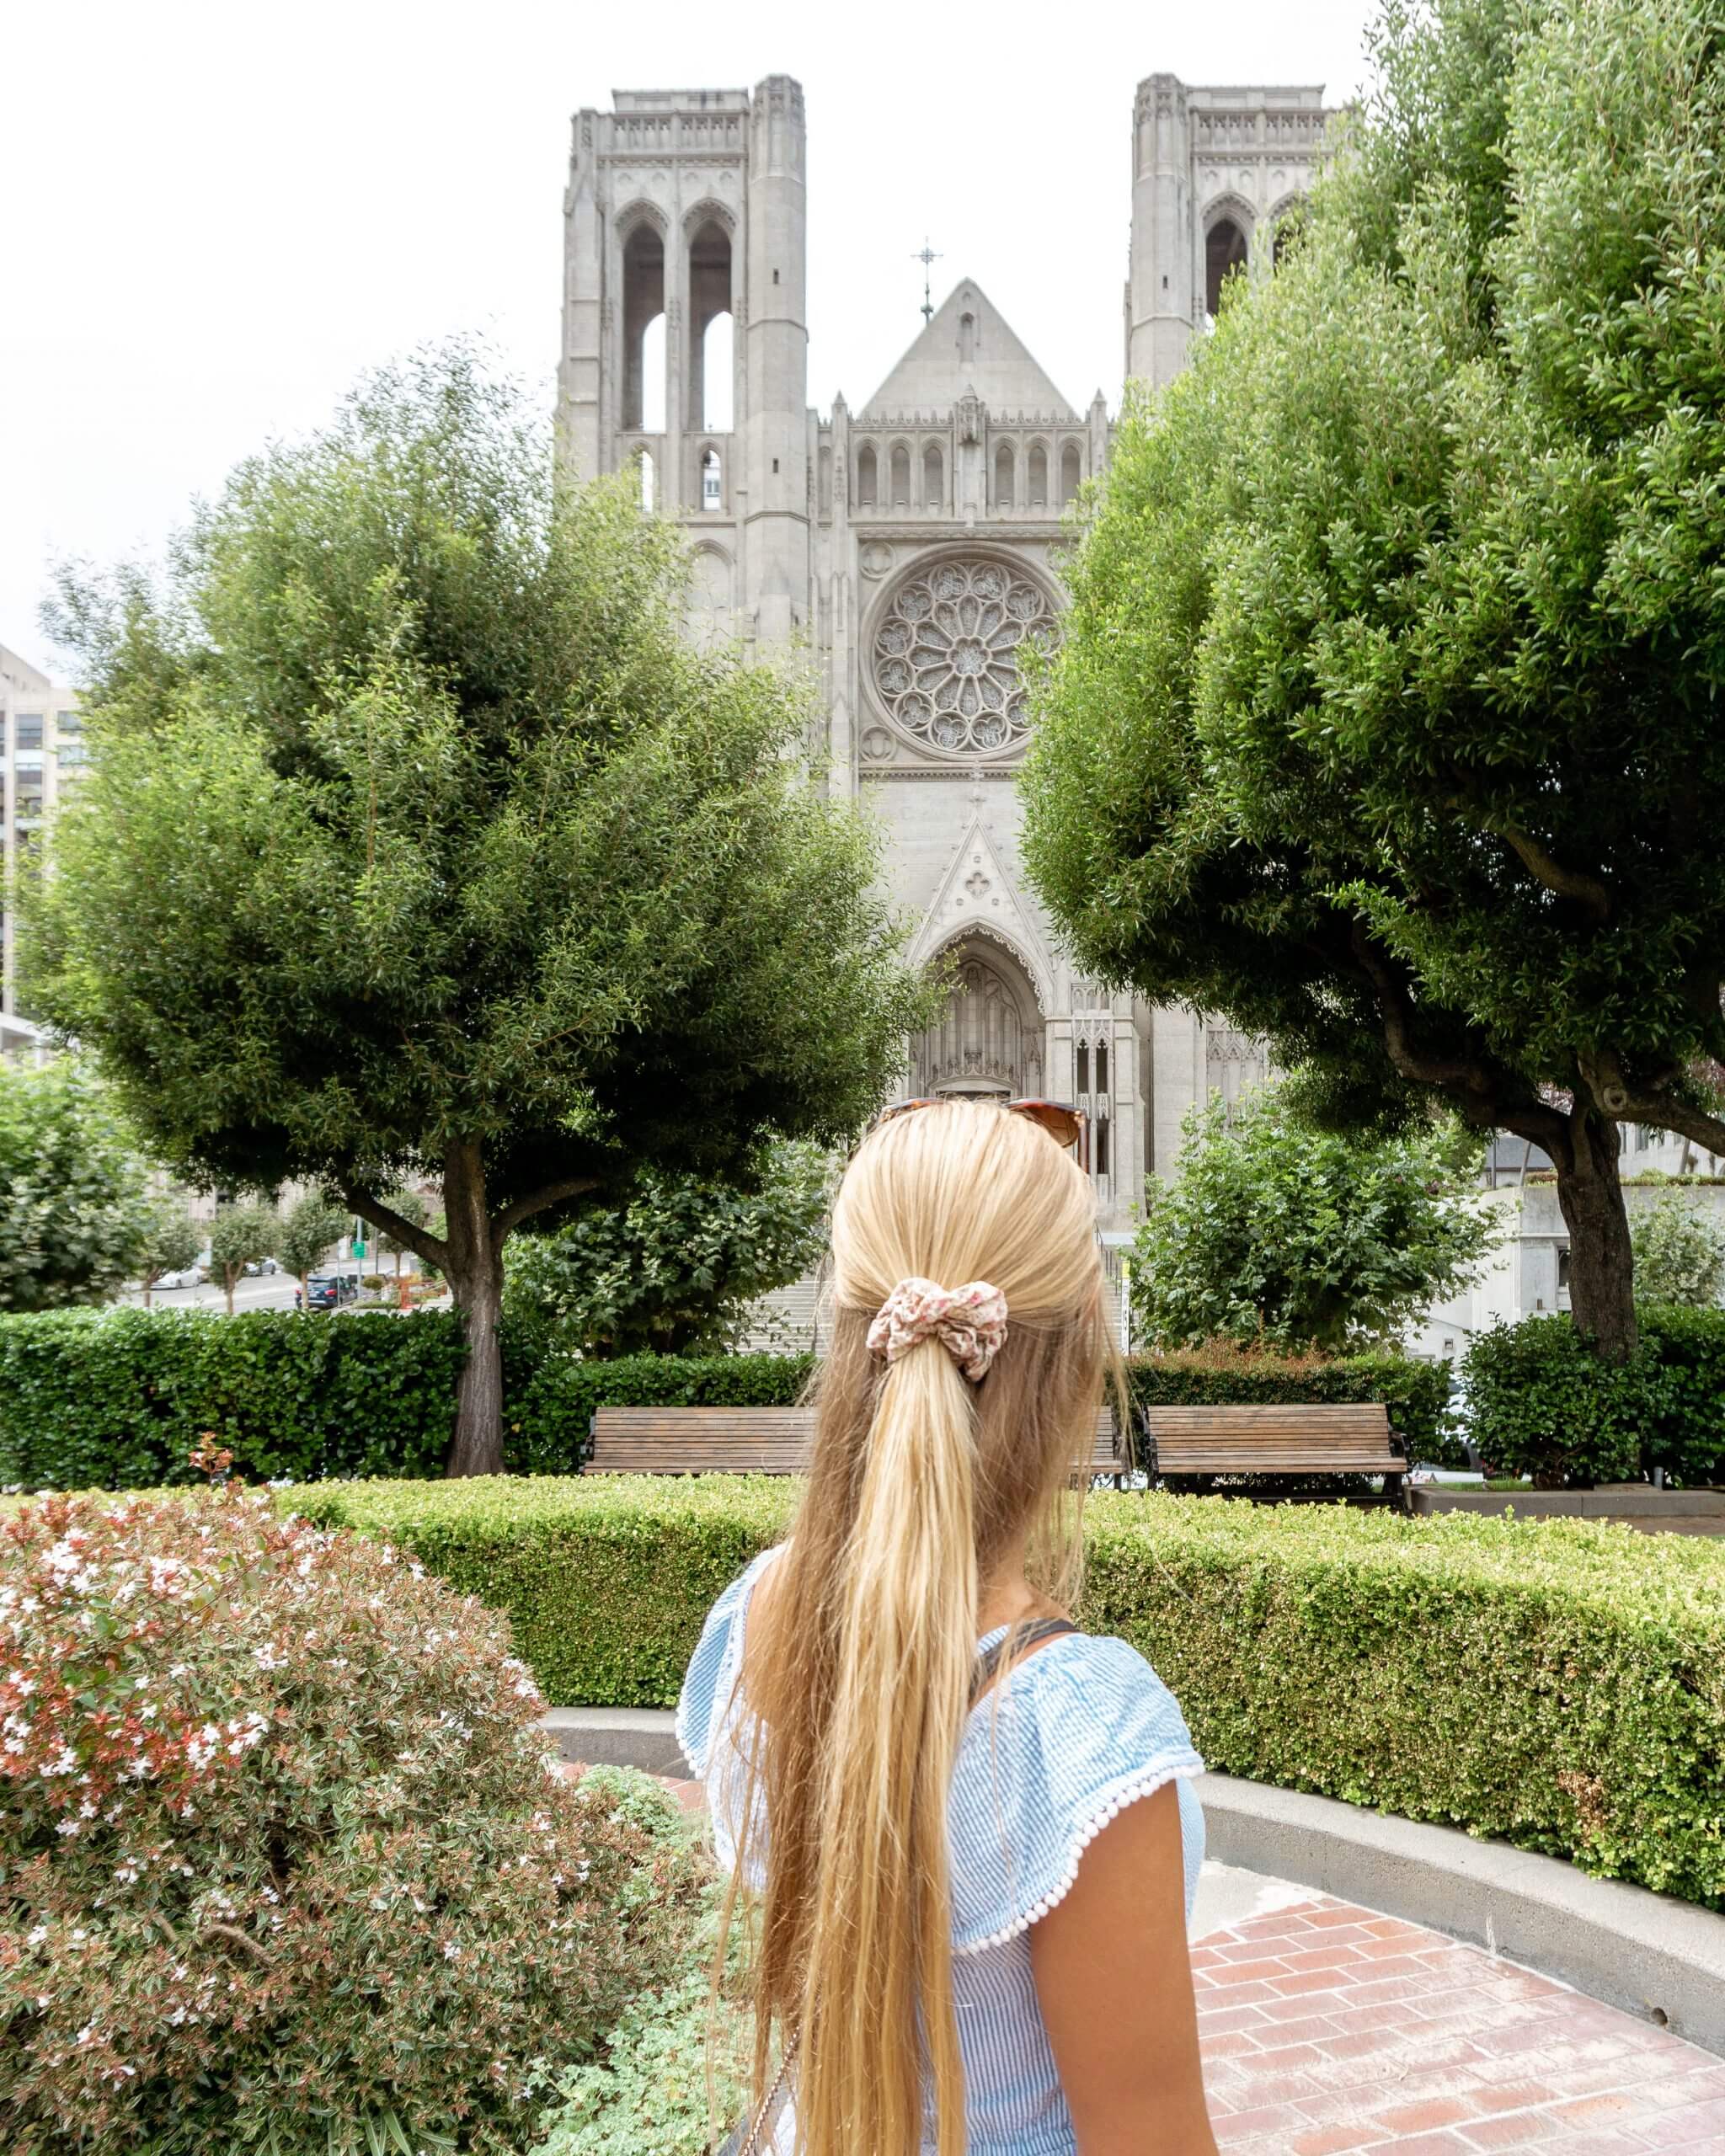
(1069, 1127)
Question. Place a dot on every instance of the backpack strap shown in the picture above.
(988, 1663)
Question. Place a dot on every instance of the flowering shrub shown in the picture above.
(283, 1865)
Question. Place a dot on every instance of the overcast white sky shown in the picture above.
(217, 213)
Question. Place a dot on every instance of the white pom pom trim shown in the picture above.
(1130, 1792)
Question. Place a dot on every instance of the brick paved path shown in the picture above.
(1330, 2031)
(1327, 2029)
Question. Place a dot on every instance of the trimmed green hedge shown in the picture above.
(1416, 1393)
(606, 1578)
(117, 1399)
(1558, 1684)
(1541, 1403)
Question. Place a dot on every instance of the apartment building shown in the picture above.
(41, 750)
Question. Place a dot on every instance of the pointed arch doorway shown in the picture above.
(987, 1044)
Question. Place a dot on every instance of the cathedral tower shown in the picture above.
(685, 346)
(1214, 173)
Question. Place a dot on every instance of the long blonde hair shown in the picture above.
(921, 1484)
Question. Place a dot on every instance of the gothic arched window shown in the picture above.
(933, 485)
(644, 329)
(1071, 473)
(712, 480)
(710, 329)
(1003, 476)
(1036, 489)
(1224, 253)
(867, 484)
(901, 477)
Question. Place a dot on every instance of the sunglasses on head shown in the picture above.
(1067, 1125)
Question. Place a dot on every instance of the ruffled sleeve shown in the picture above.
(1074, 1734)
(712, 1668)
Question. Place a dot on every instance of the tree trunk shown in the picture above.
(476, 1283)
(227, 1278)
(1601, 1267)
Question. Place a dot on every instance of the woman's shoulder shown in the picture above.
(1074, 1733)
(714, 1665)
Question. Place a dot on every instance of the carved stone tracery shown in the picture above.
(945, 657)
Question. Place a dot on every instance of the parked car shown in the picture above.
(327, 1291)
(191, 1275)
(261, 1265)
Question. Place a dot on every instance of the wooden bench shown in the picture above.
(1292, 1443)
(741, 1441)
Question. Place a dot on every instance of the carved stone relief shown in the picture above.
(945, 656)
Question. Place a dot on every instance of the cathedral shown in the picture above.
(908, 548)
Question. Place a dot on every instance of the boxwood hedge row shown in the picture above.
(117, 1399)
(1557, 1684)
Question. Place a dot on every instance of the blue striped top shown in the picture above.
(1076, 1731)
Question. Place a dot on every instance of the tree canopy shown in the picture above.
(75, 1212)
(672, 1271)
(1679, 1254)
(1386, 721)
(460, 864)
(1277, 1233)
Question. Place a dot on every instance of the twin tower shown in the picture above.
(904, 550)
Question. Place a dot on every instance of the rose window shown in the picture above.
(946, 658)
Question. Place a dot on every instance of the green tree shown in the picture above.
(1274, 1231)
(1679, 1254)
(1386, 722)
(673, 1271)
(74, 1208)
(463, 865)
(240, 1236)
(170, 1244)
(407, 1205)
(306, 1232)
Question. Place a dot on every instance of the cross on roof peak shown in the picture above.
(927, 257)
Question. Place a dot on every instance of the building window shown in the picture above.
(1003, 476)
(28, 733)
(69, 722)
(649, 479)
(1224, 253)
(867, 482)
(901, 477)
(710, 346)
(72, 755)
(1101, 1066)
(1036, 491)
(1562, 1266)
(1070, 473)
(711, 481)
(1100, 1147)
(934, 486)
(1084, 1066)
(643, 330)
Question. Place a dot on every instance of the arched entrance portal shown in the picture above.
(988, 1045)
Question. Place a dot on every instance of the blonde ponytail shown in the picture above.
(921, 1482)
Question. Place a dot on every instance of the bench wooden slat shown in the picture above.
(1347, 1438)
(739, 1441)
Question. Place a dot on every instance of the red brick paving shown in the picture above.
(1328, 2030)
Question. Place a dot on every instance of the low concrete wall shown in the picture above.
(1660, 1959)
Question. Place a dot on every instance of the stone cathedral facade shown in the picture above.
(906, 548)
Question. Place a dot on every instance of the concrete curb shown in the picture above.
(619, 1736)
(1661, 1960)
